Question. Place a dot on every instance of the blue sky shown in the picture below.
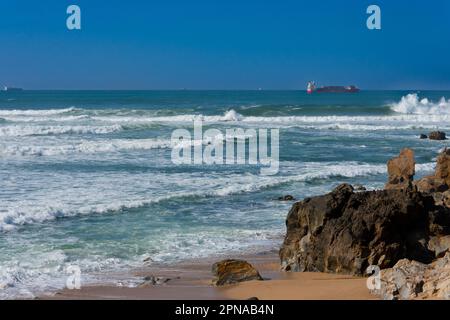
(230, 44)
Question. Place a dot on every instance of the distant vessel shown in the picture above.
(332, 89)
(311, 87)
(11, 89)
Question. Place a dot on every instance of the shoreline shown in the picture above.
(192, 281)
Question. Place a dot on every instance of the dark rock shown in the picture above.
(401, 170)
(153, 281)
(345, 232)
(437, 135)
(423, 136)
(233, 271)
(253, 298)
(286, 198)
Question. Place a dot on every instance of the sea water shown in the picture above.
(86, 177)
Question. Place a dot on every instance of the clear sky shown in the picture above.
(224, 44)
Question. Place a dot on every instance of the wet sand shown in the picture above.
(192, 281)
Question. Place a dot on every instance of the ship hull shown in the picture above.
(12, 89)
(337, 90)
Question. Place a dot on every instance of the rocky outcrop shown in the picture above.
(346, 231)
(423, 136)
(430, 184)
(443, 167)
(233, 271)
(286, 198)
(359, 187)
(440, 181)
(437, 135)
(150, 281)
(401, 170)
(414, 280)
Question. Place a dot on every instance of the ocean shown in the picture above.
(86, 177)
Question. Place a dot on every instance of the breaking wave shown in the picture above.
(411, 113)
(412, 104)
(44, 112)
(36, 212)
(85, 147)
(38, 130)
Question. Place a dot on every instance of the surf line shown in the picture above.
(237, 146)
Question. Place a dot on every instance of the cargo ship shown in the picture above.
(11, 89)
(331, 89)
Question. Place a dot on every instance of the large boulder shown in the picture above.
(233, 271)
(345, 231)
(286, 198)
(401, 170)
(437, 135)
(414, 280)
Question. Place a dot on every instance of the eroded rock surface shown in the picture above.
(401, 170)
(414, 280)
(345, 231)
(234, 271)
(440, 181)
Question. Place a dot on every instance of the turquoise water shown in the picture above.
(87, 177)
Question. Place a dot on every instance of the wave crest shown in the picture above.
(43, 112)
(21, 131)
(30, 212)
(412, 104)
(85, 147)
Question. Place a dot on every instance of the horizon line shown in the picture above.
(235, 89)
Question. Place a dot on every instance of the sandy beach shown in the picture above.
(192, 281)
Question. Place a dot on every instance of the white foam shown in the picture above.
(370, 127)
(412, 114)
(31, 130)
(46, 119)
(45, 112)
(425, 167)
(381, 122)
(232, 116)
(68, 200)
(84, 147)
(412, 104)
